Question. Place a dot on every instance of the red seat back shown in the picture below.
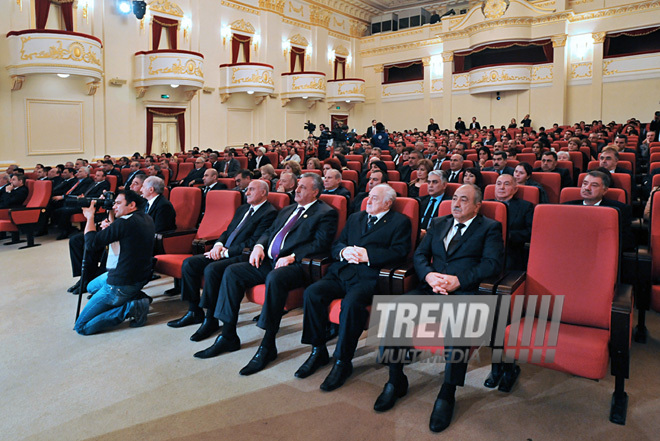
(527, 193)
(184, 169)
(229, 182)
(619, 180)
(351, 175)
(350, 186)
(187, 203)
(39, 193)
(559, 245)
(218, 213)
(113, 182)
(339, 203)
(529, 158)
(551, 183)
(401, 188)
(279, 200)
(573, 194)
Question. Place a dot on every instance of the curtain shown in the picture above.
(41, 8)
(164, 111)
(340, 65)
(409, 71)
(67, 14)
(459, 63)
(632, 42)
(157, 25)
(238, 41)
(508, 52)
(297, 53)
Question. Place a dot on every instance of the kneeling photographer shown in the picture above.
(129, 235)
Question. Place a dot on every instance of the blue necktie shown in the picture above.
(279, 239)
(234, 233)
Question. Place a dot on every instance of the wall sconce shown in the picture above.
(349, 59)
(20, 4)
(84, 4)
(186, 24)
(255, 41)
(286, 47)
(226, 34)
(331, 56)
(308, 51)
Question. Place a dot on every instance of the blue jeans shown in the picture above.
(108, 307)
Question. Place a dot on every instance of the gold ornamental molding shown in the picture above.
(469, 31)
(358, 29)
(379, 68)
(299, 40)
(318, 84)
(75, 51)
(272, 5)
(319, 16)
(426, 61)
(401, 34)
(447, 56)
(340, 36)
(416, 88)
(242, 26)
(92, 87)
(559, 40)
(400, 47)
(166, 7)
(623, 10)
(296, 10)
(581, 70)
(262, 77)
(337, 23)
(189, 68)
(542, 73)
(296, 23)
(341, 51)
(494, 9)
(599, 37)
(17, 82)
(241, 7)
(579, 2)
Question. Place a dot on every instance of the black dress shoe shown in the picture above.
(509, 379)
(209, 326)
(331, 331)
(74, 288)
(173, 291)
(443, 411)
(191, 318)
(494, 378)
(319, 357)
(63, 235)
(391, 392)
(337, 376)
(220, 346)
(260, 360)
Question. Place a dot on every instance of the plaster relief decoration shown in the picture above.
(252, 78)
(494, 9)
(437, 86)
(298, 10)
(272, 5)
(580, 73)
(165, 67)
(42, 52)
(348, 90)
(542, 75)
(166, 8)
(305, 85)
(242, 26)
(402, 91)
(495, 79)
(299, 40)
(635, 67)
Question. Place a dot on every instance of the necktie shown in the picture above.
(453, 175)
(279, 238)
(206, 189)
(146, 207)
(428, 214)
(234, 233)
(74, 186)
(226, 166)
(453, 243)
(371, 222)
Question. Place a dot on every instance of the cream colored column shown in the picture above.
(427, 86)
(559, 79)
(447, 84)
(597, 75)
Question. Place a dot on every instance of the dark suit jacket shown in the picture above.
(251, 231)
(623, 170)
(405, 171)
(566, 180)
(478, 255)
(232, 170)
(475, 125)
(460, 126)
(97, 190)
(84, 185)
(519, 232)
(357, 202)
(423, 205)
(115, 172)
(195, 175)
(129, 180)
(163, 214)
(63, 186)
(456, 177)
(371, 131)
(312, 234)
(263, 161)
(507, 170)
(15, 198)
(341, 191)
(387, 244)
(57, 180)
(217, 186)
(433, 126)
(625, 220)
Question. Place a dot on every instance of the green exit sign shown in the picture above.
(338, 108)
(165, 97)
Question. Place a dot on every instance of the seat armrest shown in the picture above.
(24, 215)
(316, 265)
(621, 330)
(489, 285)
(510, 283)
(174, 242)
(403, 278)
(201, 246)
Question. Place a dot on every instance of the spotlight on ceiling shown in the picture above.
(139, 8)
(124, 6)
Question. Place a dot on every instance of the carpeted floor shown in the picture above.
(144, 384)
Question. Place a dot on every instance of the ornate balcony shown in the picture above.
(252, 78)
(50, 51)
(165, 67)
(498, 78)
(348, 90)
(305, 85)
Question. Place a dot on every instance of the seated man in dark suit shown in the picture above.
(373, 239)
(229, 166)
(211, 183)
(594, 187)
(15, 193)
(287, 185)
(196, 174)
(609, 159)
(135, 170)
(109, 169)
(63, 214)
(332, 184)
(430, 204)
(519, 220)
(549, 164)
(159, 208)
(458, 252)
(300, 230)
(499, 164)
(413, 161)
(455, 168)
(376, 177)
(250, 221)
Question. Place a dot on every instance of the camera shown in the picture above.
(106, 202)
(310, 127)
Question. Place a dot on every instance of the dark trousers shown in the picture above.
(356, 295)
(95, 259)
(62, 216)
(192, 271)
(241, 276)
(454, 371)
